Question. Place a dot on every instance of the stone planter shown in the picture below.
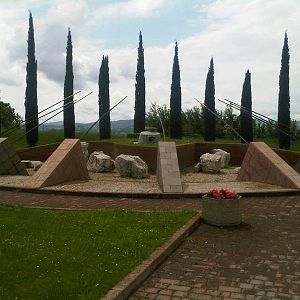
(224, 212)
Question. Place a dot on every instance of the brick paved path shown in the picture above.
(77, 202)
(259, 260)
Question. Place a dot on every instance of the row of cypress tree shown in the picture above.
(209, 111)
(246, 127)
(31, 107)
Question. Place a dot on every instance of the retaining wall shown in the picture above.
(188, 154)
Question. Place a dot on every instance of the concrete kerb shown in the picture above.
(134, 279)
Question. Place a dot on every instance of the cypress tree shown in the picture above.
(31, 107)
(246, 128)
(284, 120)
(69, 117)
(175, 100)
(209, 117)
(139, 109)
(104, 105)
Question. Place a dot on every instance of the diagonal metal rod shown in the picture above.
(14, 141)
(102, 117)
(50, 112)
(250, 113)
(215, 114)
(31, 118)
(254, 114)
(261, 115)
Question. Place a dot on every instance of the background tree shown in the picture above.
(232, 120)
(209, 118)
(175, 99)
(192, 122)
(152, 119)
(284, 99)
(31, 107)
(139, 109)
(69, 116)
(8, 117)
(246, 127)
(104, 105)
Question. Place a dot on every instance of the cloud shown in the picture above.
(238, 34)
(242, 35)
(131, 8)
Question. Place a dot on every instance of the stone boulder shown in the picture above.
(32, 164)
(99, 162)
(211, 163)
(35, 164)
(225, 157)
(131, 166)
(26, 163)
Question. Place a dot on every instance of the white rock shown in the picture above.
(148, 137)
(32, 164)
(225, 157)
(26, 163)
(35, 164)
(131, 166)
(211, 163)
(100, 162)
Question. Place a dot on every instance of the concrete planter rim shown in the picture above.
(225, 212)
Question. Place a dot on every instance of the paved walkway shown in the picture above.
(259, 260)
(77, 202)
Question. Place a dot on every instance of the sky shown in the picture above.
(238, 34)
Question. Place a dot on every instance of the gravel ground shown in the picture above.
(113, 183)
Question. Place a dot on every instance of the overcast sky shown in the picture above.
(239, 34)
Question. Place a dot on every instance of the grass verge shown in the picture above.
(51, 254)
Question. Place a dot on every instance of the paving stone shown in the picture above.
(151, 290)
(163, 297)
(180, 294)
(246, 286)
(166, 292)
(169, 281)
(239, 263)
(179, 288)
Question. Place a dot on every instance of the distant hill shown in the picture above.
(117, 127)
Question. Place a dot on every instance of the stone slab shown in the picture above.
(10, 162)
(262, 164)
(67, 163)
(168, 173)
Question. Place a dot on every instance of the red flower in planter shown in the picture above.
(222, 194)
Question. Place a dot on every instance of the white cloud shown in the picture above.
(238, 34)
(130, 8)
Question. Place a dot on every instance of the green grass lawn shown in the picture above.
(55, 254)
(54, 136)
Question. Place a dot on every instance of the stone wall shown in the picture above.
(188, 154)
(40, 153)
